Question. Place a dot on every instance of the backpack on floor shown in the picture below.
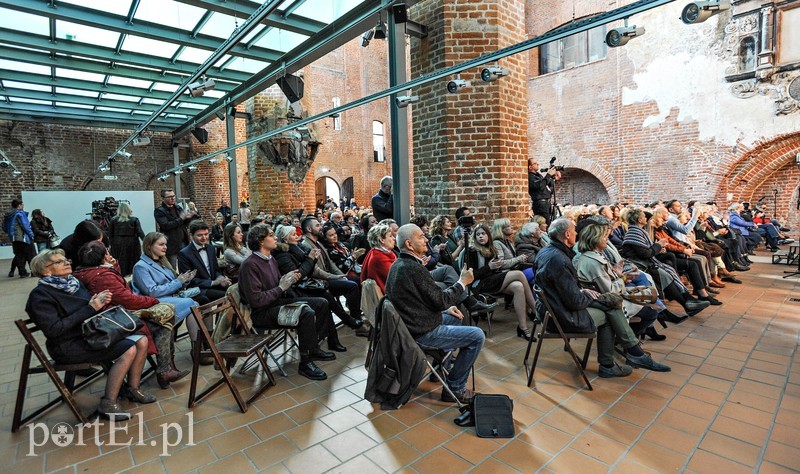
(490, 414)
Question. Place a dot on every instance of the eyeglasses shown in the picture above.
(59, 262)
(169, 197)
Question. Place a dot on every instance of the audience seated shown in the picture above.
(503, 241)
(380, 256)
(235, 250)
(201, 258)
(442, 233)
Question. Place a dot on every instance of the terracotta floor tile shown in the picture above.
(393, 454)
(382, 428)
(272, 426)
(237, 463)
(747, 415)
(632, 414)
(770, 468)
(599, 447)
(493, 466)
(712, 383)
(573, 461)
(765, 377)
(785, 434)
(309, 434)
(617, 429)
(672, 439)
(190, 458)
(307, 411)
(232, 441)
(694, 407)
(725, 362)
(471, 448)
(121, 459)
(339, 399)
(789, 402)
(682, 421)
(357, 464)
(150, 467)
(565, 421)
(316, 459)
(718, 372)
(730, 448)
(657, 388)
(784, 455)
(645, 400)
(704, 462)
(545, 438)
(739, 430)
(582, 406)
(271, 451)
(762, 389)
(775, 358)
(788, 417)
(425, 437)
(441, 461)
(656, 457)
(412, 413)
(753, 400)
(349, 444)
(704, 394)
(628, 466)
(766, 366)
(522, 456)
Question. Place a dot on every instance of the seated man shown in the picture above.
(558, 279)
(429, 312)
(201, 256)
(263, 288)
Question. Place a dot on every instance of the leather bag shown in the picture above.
(289, 314)
(105, 329)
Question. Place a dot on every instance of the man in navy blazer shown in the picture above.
(200, 255)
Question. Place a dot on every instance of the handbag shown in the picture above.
(162, 314)
(490, 414)
(105, 329)
(188, 292)
(641, 295)
(312, 285)
(607, 301)
(289, 314)
(55, 240)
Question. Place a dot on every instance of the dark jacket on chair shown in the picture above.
(398, 363)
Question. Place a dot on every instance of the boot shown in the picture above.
(671, 317)
(652, 334)
(171, 375)
(110, 409)
(204, 359)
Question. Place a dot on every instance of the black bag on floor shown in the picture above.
(490, 414)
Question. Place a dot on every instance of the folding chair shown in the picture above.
(65, 387)
(441, 358)
(239, 343)
(544, 333)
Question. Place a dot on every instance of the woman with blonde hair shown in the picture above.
(125, 233)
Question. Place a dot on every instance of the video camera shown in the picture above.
(104, 210)
(466, 221)
(552, 164)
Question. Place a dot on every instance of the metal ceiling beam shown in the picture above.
(127, 125)
(329, 38)
(14, 92)
(45, 80)
(245, 8)
(39, 110)
(29, 40)
(144, 29)
(96, 67)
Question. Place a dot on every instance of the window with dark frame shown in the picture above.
(378, 142)
(572, 51)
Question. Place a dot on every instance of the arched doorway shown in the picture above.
(327, 187)
(577, 186)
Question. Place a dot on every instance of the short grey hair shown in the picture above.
(386, 180)
(558, 228)
(335, 214)
(283, 231)
(528, 230)
(404, 234)
(376, 233)
(388, 222)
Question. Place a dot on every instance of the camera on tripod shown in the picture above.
(466, 221)
(552, 164)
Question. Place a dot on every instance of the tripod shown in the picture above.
(789, 257)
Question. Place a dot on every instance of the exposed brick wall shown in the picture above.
(577, 187)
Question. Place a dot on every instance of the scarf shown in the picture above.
(69, 284)
(637, 236)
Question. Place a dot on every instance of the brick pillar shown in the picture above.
(470, 148)
(269, 185)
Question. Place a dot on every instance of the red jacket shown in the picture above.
(376, 266)
(97, 279)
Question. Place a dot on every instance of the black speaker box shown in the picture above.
(400, 13)
(201, 134)
(292, 87)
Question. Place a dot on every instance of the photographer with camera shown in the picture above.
(542, 187)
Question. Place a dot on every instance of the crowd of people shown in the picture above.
(435, 271)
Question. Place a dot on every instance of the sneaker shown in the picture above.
(464, 396)
(615, 371)
(646, 362)
(110, 409)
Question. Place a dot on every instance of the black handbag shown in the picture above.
(105, 329)
(312, 285)
(490, 414)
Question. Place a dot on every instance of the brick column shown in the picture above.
(470, 148)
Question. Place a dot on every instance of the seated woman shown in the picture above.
(235, 250)
(528, 240)
(380, 257)
(441, 233)
(263, 288)
(489, 278)
(597, 273)
(85, 231)
(59, 305)
(360, 240)
(340, 255)
(503, 240)
(100, 272)
(292, 258)
(542, 221)
(153, 276)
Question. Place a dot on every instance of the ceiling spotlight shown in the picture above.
(228, 157)
(621, 36)
(163, 177)
(402, 101)
(178, 171)
(16, 173)
(110, 177)
(698, 12)
(124, 153)
(491, 74)
(103, 168)
(220, 115)
(141, 141)
(214, 161)
(380, 30)
(456, 84)
(365, 39)
(198, 88)
(5, 163)
(192, 168)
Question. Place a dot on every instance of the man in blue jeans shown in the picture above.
(429, 312)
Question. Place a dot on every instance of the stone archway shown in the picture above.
(584, 178)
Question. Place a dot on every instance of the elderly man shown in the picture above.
(558, 279)
(382, 203)
(429, 312)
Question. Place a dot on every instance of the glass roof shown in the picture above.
(111, 63)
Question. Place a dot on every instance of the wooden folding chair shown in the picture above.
(240, 343)
(549, 317)
(65, 387)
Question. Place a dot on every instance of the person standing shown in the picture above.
(540, 188)
(42, 228)
(21, 235)
(225, 210)
(125, 233)
(383, 203)
(244, 216)
(172, 221)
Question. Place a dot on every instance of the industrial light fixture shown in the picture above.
(163, 177)
(214, 161)
(491, 74)
(457, 84)
(199, 88)
(365, 39)
(620, 36)
(16, 173)
(220, 115)
(178, 171)
(5, 163)
(141, 141)
(124, 153)
(402, 101)
(698, 12)
(228, 157)
(103, 167)
(380, 30)
(191, 168)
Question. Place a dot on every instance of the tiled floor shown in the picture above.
(731, 404)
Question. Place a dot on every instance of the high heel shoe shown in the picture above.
(671, 317)
(652, 334)
(524, 333)
(662, 320)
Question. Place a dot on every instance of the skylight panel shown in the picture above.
(74, 106)
(160, 86)
(125, 81)
(112, 109)
(138, 44)
(126, 98)
(281, 40)
(221, 25)
(116, 7)
(24, 22)
(65, 90)
(82, 75)
(86, 34)
(194, 55)
(152, 101)
(169, 13)
(29, 101)
(247, 65)
(25, 85)
(24, 67)
(189, 105)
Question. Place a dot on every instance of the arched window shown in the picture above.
(378, 142)
(337, 119)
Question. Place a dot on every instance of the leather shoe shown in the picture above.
(732, 279)
(714, 283)
(646, 362)
(740, 268)
(336, 346)
(171, 375)
(352, 323)
(673, 318)
(310, 370)
(693, 306)
(481, 307)
(615, 371)
(463, 397)
(110, 409)
(712, 290)
(653, 334)
(135, 395)
(713, 301)
(319, 354)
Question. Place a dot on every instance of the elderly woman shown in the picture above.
(291, 259)
(542, 222)
(490, 278)
(59, 305)
(597, 273)
(380, 257)
(101, 273)
(235, 250)
(125, 233)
